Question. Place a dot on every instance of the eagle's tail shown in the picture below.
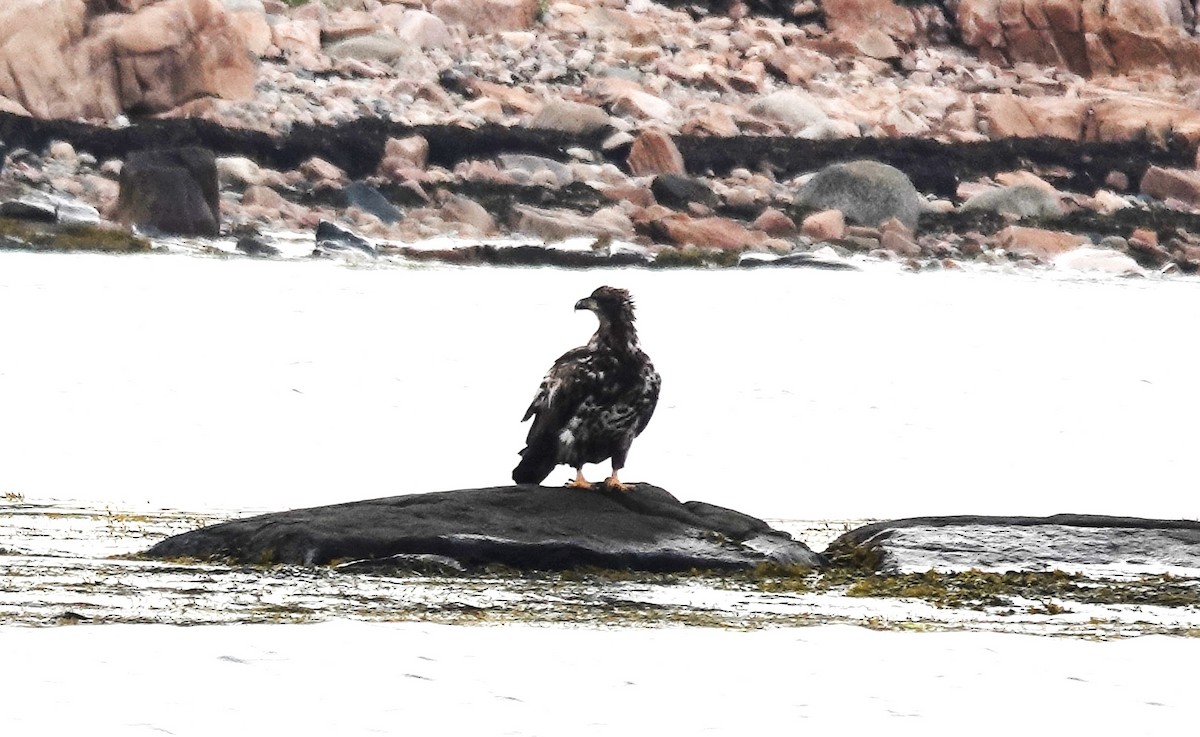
(537, 461)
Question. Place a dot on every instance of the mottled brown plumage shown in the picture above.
(594, 400)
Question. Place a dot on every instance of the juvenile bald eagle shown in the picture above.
(594, 400)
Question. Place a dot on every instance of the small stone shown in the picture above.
(408, 152)
(257, 195)
(423, 30)
(634, 194)
(237, 171)
(332, 237)
(370, 200)
(653, 152)
(644, 106)
(1146, 254)
(1117, 180)
(63, 152)
(576, 118)
(676, 191)
(824, 226)
(1168, 183)
(899, 243)
(860, 244)
(559, 225)
(560, 174)
(318, 169)
(1021, 200)
(774, 222)
(1037, 242)
(487, 16)
(379, 47)
(251, 24)
(797, 109)
(297, 35)
(42, 212)
(708, 232)
(459, 209)
(617, 140)
(254, 246)
(1105, 202)
(1144, 235)
(486, 108)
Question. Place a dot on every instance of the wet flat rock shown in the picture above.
(522, 527)
(1068, 542)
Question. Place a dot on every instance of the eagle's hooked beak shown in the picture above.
(585, 304)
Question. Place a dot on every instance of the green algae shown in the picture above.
(975, 589)
(33, 236)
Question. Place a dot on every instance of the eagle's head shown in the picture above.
(611, 304)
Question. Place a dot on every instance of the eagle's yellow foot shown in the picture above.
(579, 483)
(612, 482)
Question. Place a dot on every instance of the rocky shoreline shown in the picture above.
(687, 134)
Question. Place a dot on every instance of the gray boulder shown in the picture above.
(29, 209)
(332, 237)
(677, 191)
(867, 193)
(1022, 200)
(1067, 542)
(252, 245)
(522, 527)
(798, 110)
(406, 59)
(523, 166)
(173, 190)
(377, 47)
(371, 200)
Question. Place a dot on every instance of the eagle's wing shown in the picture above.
(650, 398)
(558, 395)
(564, 388)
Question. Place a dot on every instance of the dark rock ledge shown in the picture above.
(357, 147)
(524, 528)
(537, 528)
(1067, 542)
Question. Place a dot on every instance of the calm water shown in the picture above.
(196, 384)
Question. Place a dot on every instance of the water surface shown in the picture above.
(199, 384)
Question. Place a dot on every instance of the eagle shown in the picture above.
(594, 400)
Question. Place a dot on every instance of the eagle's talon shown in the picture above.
(579, 482)
(615, 485)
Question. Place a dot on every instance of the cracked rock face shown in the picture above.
(522, 527)
(84, 60)
(1089, 38)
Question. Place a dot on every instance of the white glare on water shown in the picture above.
(193, 383)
